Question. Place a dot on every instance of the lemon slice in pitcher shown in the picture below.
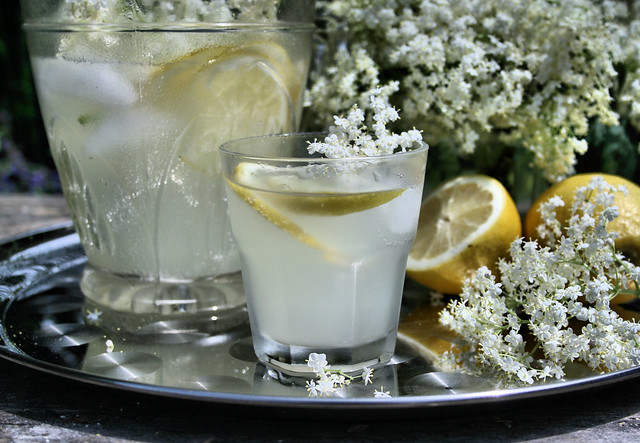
(224, 92)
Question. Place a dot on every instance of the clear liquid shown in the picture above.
(134, 120)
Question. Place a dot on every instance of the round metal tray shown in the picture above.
(42, 326)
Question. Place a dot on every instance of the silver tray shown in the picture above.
(41, 326)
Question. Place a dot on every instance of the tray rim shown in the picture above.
(490, 397)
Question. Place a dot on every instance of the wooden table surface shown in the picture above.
(35, 406)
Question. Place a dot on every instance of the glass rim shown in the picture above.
(227, 149)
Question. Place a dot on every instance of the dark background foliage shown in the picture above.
(25, 162)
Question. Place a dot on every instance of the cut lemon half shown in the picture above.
(626, 225)
(464, 224)
(226, 92)
(421, 328)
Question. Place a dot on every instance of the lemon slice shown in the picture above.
(275, 217)
(225, 92)
(314, 196)
(466, 223)
(268, 190)
(421, 328)
(334, 204)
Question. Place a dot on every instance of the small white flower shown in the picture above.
(330, 380)
(93, 317)
(367, 374)
(381, 393)
(325, 386)
(312, 388)
(338, 379)
(317, 362)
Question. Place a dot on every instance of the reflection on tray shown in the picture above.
(44, 320)
(49, 327)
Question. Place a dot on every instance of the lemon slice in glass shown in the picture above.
(275, 217)
(268, 190)
(334, 204)
(318, 196)
(224, 92)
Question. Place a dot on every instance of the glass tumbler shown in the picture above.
(323, 247)
(136, 98)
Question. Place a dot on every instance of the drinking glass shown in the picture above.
(323, 247)
(136, 98)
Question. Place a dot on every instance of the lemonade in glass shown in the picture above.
(136, 98)
(323, 244)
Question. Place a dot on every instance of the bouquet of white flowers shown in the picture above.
(550, 305)
(490, 74)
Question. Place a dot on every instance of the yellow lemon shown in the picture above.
(466, 223)
(225, 92)
(626, 225)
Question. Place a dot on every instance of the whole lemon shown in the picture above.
(626, 225)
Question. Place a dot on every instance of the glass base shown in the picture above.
(292, 360)
(139, 306)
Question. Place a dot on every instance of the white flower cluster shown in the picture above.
(350, 136)
(330, 381)
(158, 11)
(532, 72)
(552, 304)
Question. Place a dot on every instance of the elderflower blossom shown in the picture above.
(381, 393)
(551, 305)
(329, 381)
(349, 137)
(532, 73)
(93, 316)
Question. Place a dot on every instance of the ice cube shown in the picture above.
(99, 83)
